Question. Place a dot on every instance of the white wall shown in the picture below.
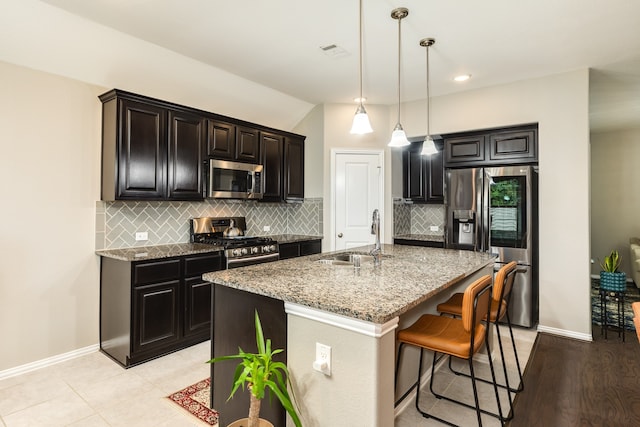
(615, 194)
(50, 170)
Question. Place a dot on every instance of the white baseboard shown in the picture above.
(565, 333)
(49, 361)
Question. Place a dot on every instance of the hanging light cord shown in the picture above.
(360, 29)
(399, 46)
(428, 97)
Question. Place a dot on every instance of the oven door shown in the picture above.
(259, 259)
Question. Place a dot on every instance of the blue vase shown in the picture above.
(614, 282)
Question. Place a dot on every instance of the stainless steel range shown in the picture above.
(239, 250)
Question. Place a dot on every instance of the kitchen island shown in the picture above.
(355, 311)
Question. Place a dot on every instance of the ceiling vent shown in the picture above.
(334, 51)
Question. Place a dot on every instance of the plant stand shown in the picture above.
(617, 296)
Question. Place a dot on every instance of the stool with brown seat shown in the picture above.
(461, 338)
(501, 296)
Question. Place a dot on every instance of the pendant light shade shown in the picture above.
(428, 147)
(361, 124)
(398, 137)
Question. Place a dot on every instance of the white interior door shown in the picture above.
(358, 191)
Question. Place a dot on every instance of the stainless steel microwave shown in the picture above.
(234, 180)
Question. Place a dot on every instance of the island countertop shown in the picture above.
(407, 276)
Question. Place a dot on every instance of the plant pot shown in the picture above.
(244, 422)
(614, 282)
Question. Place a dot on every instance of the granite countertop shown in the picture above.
(407, 276)
(429, 237)
(142, 253)
(292, 238)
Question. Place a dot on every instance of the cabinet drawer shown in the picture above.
(197, 265)
(150, 272)
(310, 248)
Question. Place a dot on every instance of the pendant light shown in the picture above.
(398, 137)
(361, 124)
(428, 147)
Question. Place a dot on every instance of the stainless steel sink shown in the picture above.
(348, 258)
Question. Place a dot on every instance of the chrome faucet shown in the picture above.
(375, 229)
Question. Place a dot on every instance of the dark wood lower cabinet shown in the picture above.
(151, 308)
(302, 248)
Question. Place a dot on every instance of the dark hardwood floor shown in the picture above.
(576, 383)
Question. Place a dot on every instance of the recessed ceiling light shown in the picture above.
(462, 77)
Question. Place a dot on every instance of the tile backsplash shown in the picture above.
(417, 218)
(168, 222)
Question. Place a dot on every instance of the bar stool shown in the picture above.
(502, 288)
(461, 338)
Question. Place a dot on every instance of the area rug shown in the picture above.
(632, 294)
(195, 399)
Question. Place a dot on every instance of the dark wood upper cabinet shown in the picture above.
(149, 150)
(423, 176)
(139, 146)
(157, 150)
(503, 146)
(271, 158)
(186, 146)
(247, 144)
(293, 173)
(221, 140)
(513, 145)
(464, 149)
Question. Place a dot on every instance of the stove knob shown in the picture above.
(254, 250)
(265, 249)
(235, 252)
(272, 248)
(244, 251)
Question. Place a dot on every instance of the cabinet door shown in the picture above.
(197, 293)
(464, 150)
(293, 169)
(221, 140)
(289, 250)
(247, 145)
(310, 247)
(414, 174)
(435, 177)
(142, 151)
(513, 147)
(155, 315)
(185, 167)
(197, 310)
(271, 160)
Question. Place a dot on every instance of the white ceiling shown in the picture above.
(277, 44)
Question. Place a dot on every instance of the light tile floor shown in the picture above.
(93, 391)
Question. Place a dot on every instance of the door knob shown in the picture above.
(340, 235)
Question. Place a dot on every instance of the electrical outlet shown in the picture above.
(322, 362)
(266, 228)
(142, 235)
(433, 228)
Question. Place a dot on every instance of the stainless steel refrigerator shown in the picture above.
(494, 210)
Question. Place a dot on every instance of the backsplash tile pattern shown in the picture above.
(423, 216)
(401, 217)
(168, 222)
(417, 218)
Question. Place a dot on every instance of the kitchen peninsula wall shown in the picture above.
(411, 218)
(168, 222)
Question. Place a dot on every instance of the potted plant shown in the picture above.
(258, 372)
(610, 278)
